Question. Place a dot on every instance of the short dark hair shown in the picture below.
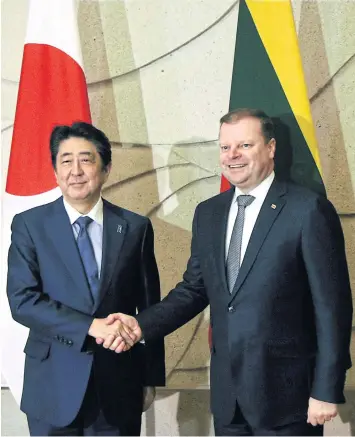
(267, 125)
(84, 130)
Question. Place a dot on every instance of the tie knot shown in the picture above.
(83, 222)
(245, 200)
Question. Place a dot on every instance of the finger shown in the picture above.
(333, 415)
(116, 343)
(99, 340)
(110, 319)
(109, 340)
(122, 347)
(327, 418)
(313, 421)
(125, 335)
(320, 420)
(131, 334)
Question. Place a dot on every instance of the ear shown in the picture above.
(107, 170)
(55, 175)
(272, 147)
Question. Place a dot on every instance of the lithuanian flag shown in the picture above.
(268, 75)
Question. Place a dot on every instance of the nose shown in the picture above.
(234, 153)
(76, 168)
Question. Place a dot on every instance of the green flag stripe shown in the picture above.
(255, 85)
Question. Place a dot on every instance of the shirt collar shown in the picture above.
(96, 213)
(258, 192)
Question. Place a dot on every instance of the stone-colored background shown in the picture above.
(159, 74)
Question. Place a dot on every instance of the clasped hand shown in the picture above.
(117, 332)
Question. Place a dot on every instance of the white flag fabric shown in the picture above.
(52, 91)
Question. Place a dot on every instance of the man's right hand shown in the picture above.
(111, 329)
(122, 342)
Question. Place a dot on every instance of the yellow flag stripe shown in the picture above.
(274, 22)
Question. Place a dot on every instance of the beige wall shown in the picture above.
(159, 74)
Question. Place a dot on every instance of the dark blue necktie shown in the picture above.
(88, 256)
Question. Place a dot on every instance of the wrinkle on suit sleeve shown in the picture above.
(29, 305)
(154, 353)
(183, 303)
(325, 261)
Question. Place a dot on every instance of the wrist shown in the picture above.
(92, 328)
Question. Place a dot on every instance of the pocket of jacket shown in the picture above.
(37, 349)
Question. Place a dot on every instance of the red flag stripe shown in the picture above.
(52, 91)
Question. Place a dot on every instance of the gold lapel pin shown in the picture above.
(273, 206)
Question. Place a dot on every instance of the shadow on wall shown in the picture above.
(193, 417)
(347, 411)
(293, 159)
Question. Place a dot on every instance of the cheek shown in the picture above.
(62, 177)
(222, 159)
(95, 177)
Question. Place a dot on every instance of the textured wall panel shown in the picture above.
(159, 74)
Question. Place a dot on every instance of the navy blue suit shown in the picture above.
(283, 334)
(48, 292)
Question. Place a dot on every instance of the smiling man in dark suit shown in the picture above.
(269, 259)
(71, 263)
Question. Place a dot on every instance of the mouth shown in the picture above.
(76, 184)
(237, 165)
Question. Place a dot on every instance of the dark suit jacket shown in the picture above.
(48, 292)
(284, 333)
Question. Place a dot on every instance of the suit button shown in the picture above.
(231, 309)
(89, 352)
(70, 342)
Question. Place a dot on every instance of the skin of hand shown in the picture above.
(104, 331)
(129, 329)
(320, 412)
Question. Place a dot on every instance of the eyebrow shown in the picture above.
(63, 155)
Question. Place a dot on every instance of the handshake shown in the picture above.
(117, 332)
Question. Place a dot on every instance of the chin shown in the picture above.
(78, 196)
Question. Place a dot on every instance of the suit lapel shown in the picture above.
(59, 230)
(220, 221)
(271, 208)
(114, 230)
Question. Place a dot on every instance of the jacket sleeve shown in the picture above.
(182, 304)
(30, 305)
(324, 256)
(153, 351)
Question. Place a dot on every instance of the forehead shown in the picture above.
(76, 146)
(248, 128)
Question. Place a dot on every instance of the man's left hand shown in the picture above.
(320, 412)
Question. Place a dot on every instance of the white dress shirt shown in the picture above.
(95, 228)
(251, 213)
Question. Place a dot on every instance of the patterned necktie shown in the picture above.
(235, 246)
(88, 256)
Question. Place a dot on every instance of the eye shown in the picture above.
(246, 146)
(66, 161)
(224, 148)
